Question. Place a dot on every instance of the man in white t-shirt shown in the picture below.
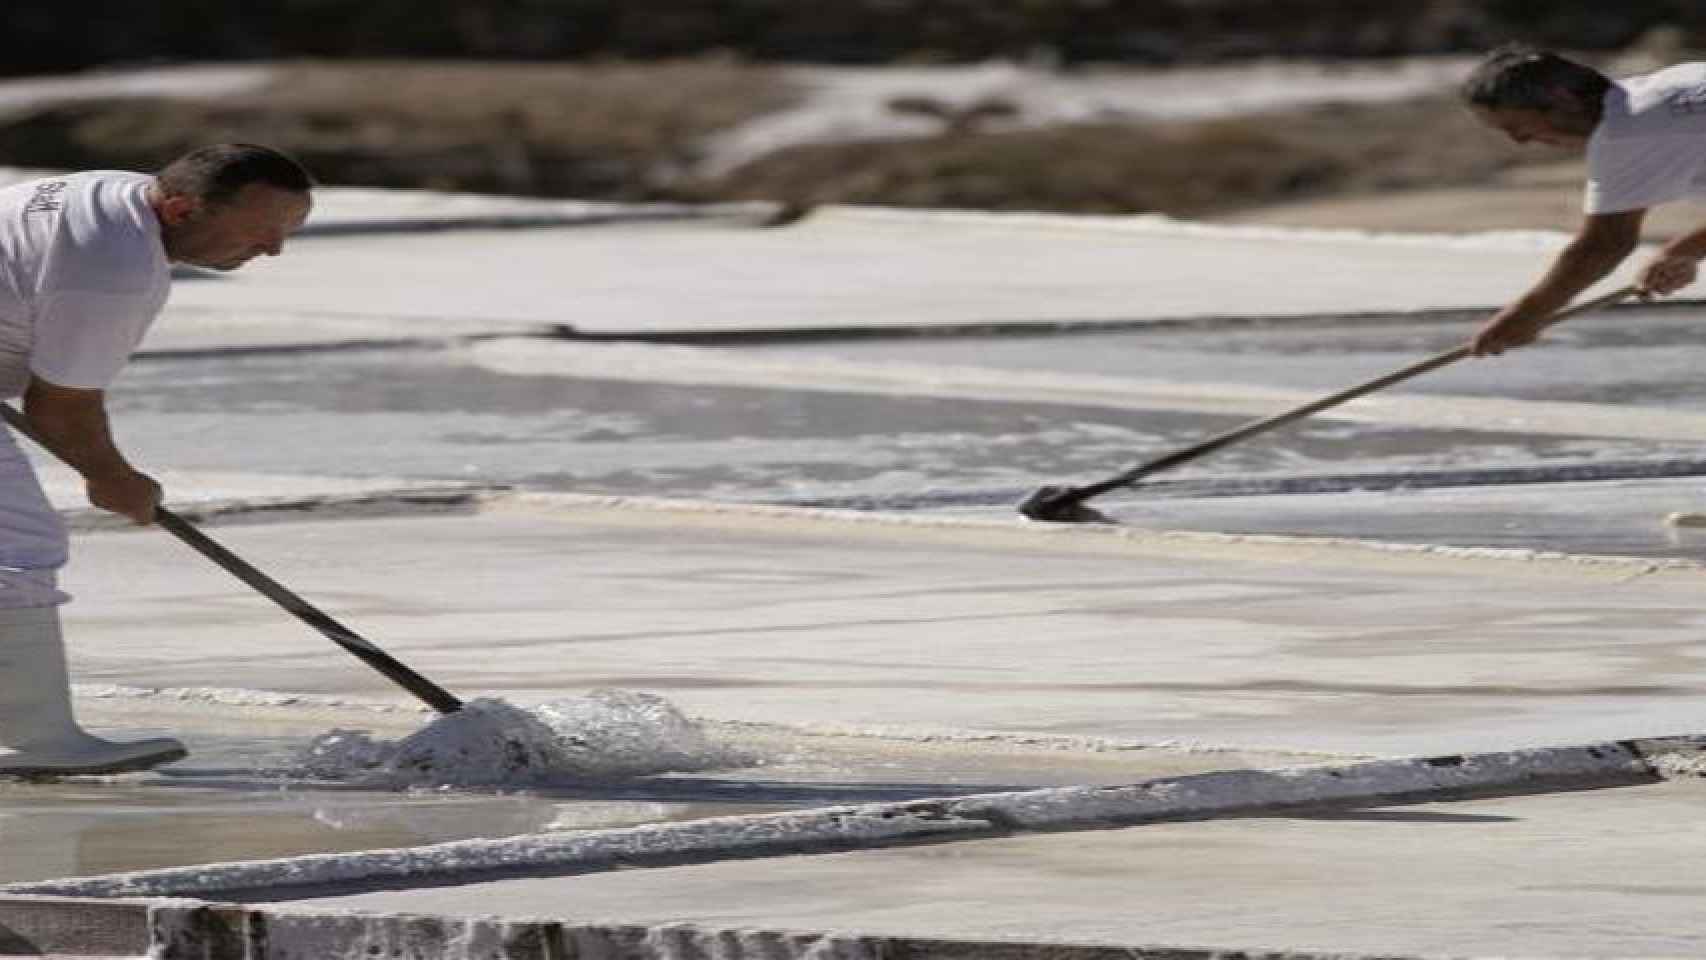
(85, 267)
(1646, 144)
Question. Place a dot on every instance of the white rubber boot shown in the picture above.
(38, 735)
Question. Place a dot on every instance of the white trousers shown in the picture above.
(33, 543)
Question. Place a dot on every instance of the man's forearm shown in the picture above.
(1577, 267)
(1690, 245)
(79, 435)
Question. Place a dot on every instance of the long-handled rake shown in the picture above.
(1065, 504)
(430, 693)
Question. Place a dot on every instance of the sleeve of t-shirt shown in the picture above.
(84, 338)
(1634, 173)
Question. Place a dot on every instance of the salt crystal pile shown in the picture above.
(606, 734)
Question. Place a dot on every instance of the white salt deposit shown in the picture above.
(235, 697)
(1161, 225)
(490, 742)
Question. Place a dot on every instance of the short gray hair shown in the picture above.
(1520, 77)
(217, 172)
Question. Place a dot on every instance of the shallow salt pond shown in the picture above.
(452, 415)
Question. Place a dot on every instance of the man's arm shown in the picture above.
(1675, 265)
(73, 425)
(1602, 243)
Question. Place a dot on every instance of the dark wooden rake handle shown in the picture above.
(430, 693)
(1080, 494)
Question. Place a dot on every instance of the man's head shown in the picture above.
(1536, 95)
(223, 205)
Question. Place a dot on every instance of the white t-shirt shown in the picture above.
(1650, 145)
(83, 274)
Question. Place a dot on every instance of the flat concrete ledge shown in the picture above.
(192, 930)
(1193, 322)
(829, 829)
(37, 926)
(1113, 538)
(535, 215)
(1292, 485)
(223, 933)
(446, 498)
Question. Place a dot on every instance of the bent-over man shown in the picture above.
(85, 267)
(1645, 139)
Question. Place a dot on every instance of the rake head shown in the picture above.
(1058, 504)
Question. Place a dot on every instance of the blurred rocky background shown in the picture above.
(1330, 112)
(48, 37)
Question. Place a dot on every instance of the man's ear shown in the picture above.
(177, 209)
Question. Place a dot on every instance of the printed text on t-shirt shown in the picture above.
(47, 198)
(1690, 101)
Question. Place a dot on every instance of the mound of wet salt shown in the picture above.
(606, 734)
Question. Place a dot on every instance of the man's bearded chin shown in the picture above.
(181, 248)
(172, 239)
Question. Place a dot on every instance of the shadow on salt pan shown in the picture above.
(608, 734)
